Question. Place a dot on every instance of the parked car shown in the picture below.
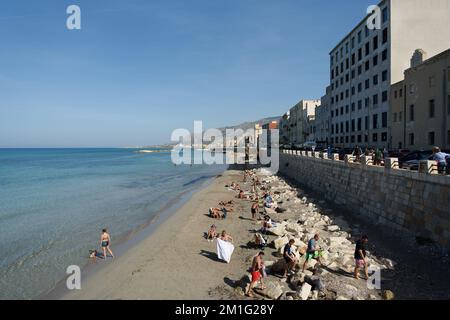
(412, 159)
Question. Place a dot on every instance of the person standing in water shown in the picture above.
(105, 241)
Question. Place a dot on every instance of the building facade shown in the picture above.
(322, 121)
(301, 117)
(421, 104)
(366, 62)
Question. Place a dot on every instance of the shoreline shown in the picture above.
(129, 241)
(121, 267)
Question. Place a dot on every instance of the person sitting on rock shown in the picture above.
(260, 242)
(289, 257)
(312, 252)
(360, 256)
(257, 273)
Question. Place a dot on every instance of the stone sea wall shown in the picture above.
(403, 201)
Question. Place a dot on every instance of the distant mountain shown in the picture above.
(244, 126)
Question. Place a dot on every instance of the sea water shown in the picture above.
(54, 203)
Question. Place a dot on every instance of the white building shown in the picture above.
(365, 63)
(301, 121)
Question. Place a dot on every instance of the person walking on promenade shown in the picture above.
(441, 158)
(360, 256)
(377, 157)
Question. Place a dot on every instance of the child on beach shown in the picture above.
(105, 241)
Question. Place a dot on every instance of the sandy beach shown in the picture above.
(176, 262)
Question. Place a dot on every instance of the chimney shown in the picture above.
(418, 58)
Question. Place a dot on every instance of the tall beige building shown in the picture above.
(365, 63)
(301, 119)
(421, 104)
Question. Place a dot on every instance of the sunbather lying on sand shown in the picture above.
(215, 213)
(226, 203)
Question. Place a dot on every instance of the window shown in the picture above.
(337, 128)
(346, 126)
(384, 96)
(353, 106)
(366, 138)
(375, 60)
(448, 105)
(347, 63)
(359, 36)
(375, 43)
(353, 59)
(375, 121)
(367, 102)
(384, 120)
(346, 47)
(359, 54)
(384, 75)
(346, 93)
(352, 43)
(347, 77)
(342, 95)
(367, 84)
(367, 31)
(332, 132)
(411, 139)
(367, 67)
(400, 116)
(353, 74)
(431, 138)
(352, 140)
(359, 124)
(385, 35)
(359, 87)
(366, 124)
(367, 48)
(395, 94)
(431, 108)
(342, 127)
(342, 139)
(353, 91)
(359, 70)
(384, 136)
(346, 139)
(375, 80)
(384, 55)
(395, 116)
(375, 137)
(359, 138)
(332, 113)
(359, 104)
(411, 112)
(375, 100)
(353, 125)
(448, 137)
(385, 15)
(432, 81)
(400, 93)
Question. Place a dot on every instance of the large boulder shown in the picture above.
(273, 291)
(333, 228)
(315, 282)
(303, 291)
(278, 267)
(279, 230)
(388, 295)
(280, 242)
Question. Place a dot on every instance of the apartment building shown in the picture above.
(366, 62)
(421, 103)
(322, 120)
(300, 118)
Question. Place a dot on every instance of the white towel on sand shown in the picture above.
(224, 250)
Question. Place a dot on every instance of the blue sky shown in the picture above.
(140, 68)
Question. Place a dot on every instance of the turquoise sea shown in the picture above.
(54, 203)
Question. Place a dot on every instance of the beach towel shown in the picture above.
(224, 250)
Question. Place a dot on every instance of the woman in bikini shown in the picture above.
(105, 241)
